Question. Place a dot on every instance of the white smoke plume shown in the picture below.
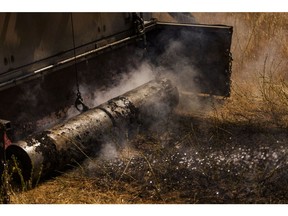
(126, 82)
(134, 78)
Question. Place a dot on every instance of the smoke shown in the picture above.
(134, 78)
(176, 64)
(116, 139)
(125, 82)
(265, 67)
(183, 17)
(257, 48)
(180, 71)
(173, 64)
(109, 151)
(24, 120)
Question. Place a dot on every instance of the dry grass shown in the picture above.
(267, 109)
(259, 90)
(236, 153)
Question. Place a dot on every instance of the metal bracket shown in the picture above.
(79, 104)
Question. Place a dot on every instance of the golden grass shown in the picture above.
(259, 77)
(68, 190)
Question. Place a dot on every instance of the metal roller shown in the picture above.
(81, 136)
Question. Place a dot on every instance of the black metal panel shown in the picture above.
(198, 55)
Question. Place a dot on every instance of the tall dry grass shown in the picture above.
(260, 67)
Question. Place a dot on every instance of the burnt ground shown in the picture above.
(200, 161)
(184, 159)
